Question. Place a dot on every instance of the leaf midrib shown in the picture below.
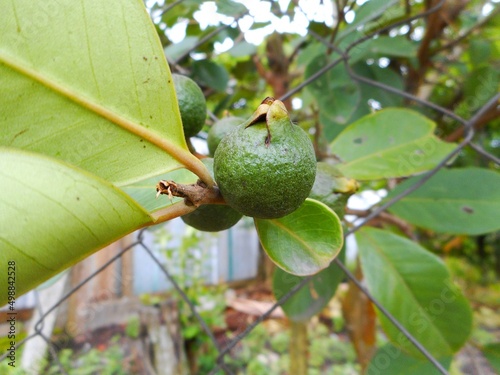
(414, 298)
(183, 156)
(299, 240)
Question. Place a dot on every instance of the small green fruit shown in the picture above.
(192, 104)
(219, 130)
(212, 217)
(266, 167)
(332, 188)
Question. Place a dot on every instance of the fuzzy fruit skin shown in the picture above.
(266, 181)
(212, 217)
(219, 130)
(332, 188)
(192, 104)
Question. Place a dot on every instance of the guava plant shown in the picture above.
(91, 131)
(90, 113)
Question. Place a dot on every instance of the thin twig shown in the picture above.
(396, 24)
(312, 78)
(468, 32)
(385, 217)
(207, 37)
(345, 57)
(168, 8)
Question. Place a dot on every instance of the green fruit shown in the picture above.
(212, 217)
(332, 188)
(192, 104)
(265, 168)
(219, 130)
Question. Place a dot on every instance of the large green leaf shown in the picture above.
(415, 287)
(389, 143)
(211, 74)
(304, 242)
(390, 360)
(313, 297)
(54, 215)
(230, 8)
(88, 83)
(459, 201)
(387, 76)
(398, 46)
(367, 12)
(336, 93)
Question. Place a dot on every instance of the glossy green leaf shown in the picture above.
(304, 242)
(311, 298)
(392, 142)
(176, 50)
(243, 49)
(310, 52)
(415, 286)
(332, 128)
(144, 192)
(336, 93)
(230, 8)
(390, 360)
(88, 83)
(458, 201)
(386, 76)
(54, 215)
(398, 46)
(492, 354)
(210, 74)
(369, 11)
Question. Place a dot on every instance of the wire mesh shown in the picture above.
(223, 351)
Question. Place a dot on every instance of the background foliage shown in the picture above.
(387, 91)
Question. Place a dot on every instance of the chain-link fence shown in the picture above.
(345, 54)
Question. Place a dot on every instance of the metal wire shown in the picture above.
(344, 57)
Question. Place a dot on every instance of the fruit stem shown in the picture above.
(193, 194)
(171, 212)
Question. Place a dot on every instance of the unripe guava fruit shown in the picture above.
(212, 217)
(192, 104)
(266, 167)
(219, 130)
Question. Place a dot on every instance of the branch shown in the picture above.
(193, 194)
(466, 33)
(489, 113)
(384, 217)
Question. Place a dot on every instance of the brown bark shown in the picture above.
(490, 115)
(277, 73)
(436, 23)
